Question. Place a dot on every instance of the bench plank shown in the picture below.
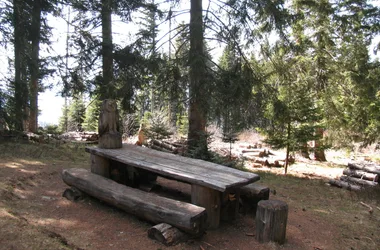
(185, 216)
(189, 170)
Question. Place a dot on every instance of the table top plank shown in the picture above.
(193, 171)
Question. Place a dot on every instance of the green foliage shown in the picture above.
(156, 125)
(294, 111)
(200, 151)
(233, 95)
(75, 115)
(63, 120)
(50, 129)
(90, 122)
(183, 125)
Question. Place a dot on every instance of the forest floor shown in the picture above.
(34, 215)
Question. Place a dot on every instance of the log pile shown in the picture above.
(261, 157)
(80, 136)
(358, 175)
(169, 147)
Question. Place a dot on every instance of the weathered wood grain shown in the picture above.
(187, 217)
(271, 220)
(100, 165)
(108, 125)
(210, 199)
(189, 170)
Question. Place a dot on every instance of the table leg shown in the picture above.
(100, 165)
(230, 205)
(210, 199)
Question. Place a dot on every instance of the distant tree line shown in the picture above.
(290, 69)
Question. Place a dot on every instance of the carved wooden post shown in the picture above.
(109, 135)
(271, 219)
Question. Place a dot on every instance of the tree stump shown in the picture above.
(271, 219)
(109, 135)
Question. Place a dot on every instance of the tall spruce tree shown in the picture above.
(197, 138)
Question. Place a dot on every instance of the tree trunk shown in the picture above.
(319, 152)
(21, 89)
(107, 49)
(197, 105)
(287, 149)
(34, 69)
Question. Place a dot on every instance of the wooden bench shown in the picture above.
(185, 216)
(251, 194)
(214, 187)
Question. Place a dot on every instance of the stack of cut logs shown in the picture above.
(169, 147)
(263, 157)
(358, 175)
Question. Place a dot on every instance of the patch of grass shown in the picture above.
(61, 152)
(358, 227)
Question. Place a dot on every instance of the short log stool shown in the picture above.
(271, 218)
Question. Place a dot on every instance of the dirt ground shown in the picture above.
(34, 215)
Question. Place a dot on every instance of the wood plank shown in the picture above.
(181, 168)
(171, 164)
(146, 152)
(187, 217)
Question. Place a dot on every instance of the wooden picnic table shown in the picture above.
(213, 186)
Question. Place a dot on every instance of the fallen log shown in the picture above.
(166, 234)
(345, 185)
(187, 217)
(358, 181)
(244, 151)
(371, 168)
(361, 174)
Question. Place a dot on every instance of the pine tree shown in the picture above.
(90, 122)
(293, 112)
(76, 114)
(198, 88)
